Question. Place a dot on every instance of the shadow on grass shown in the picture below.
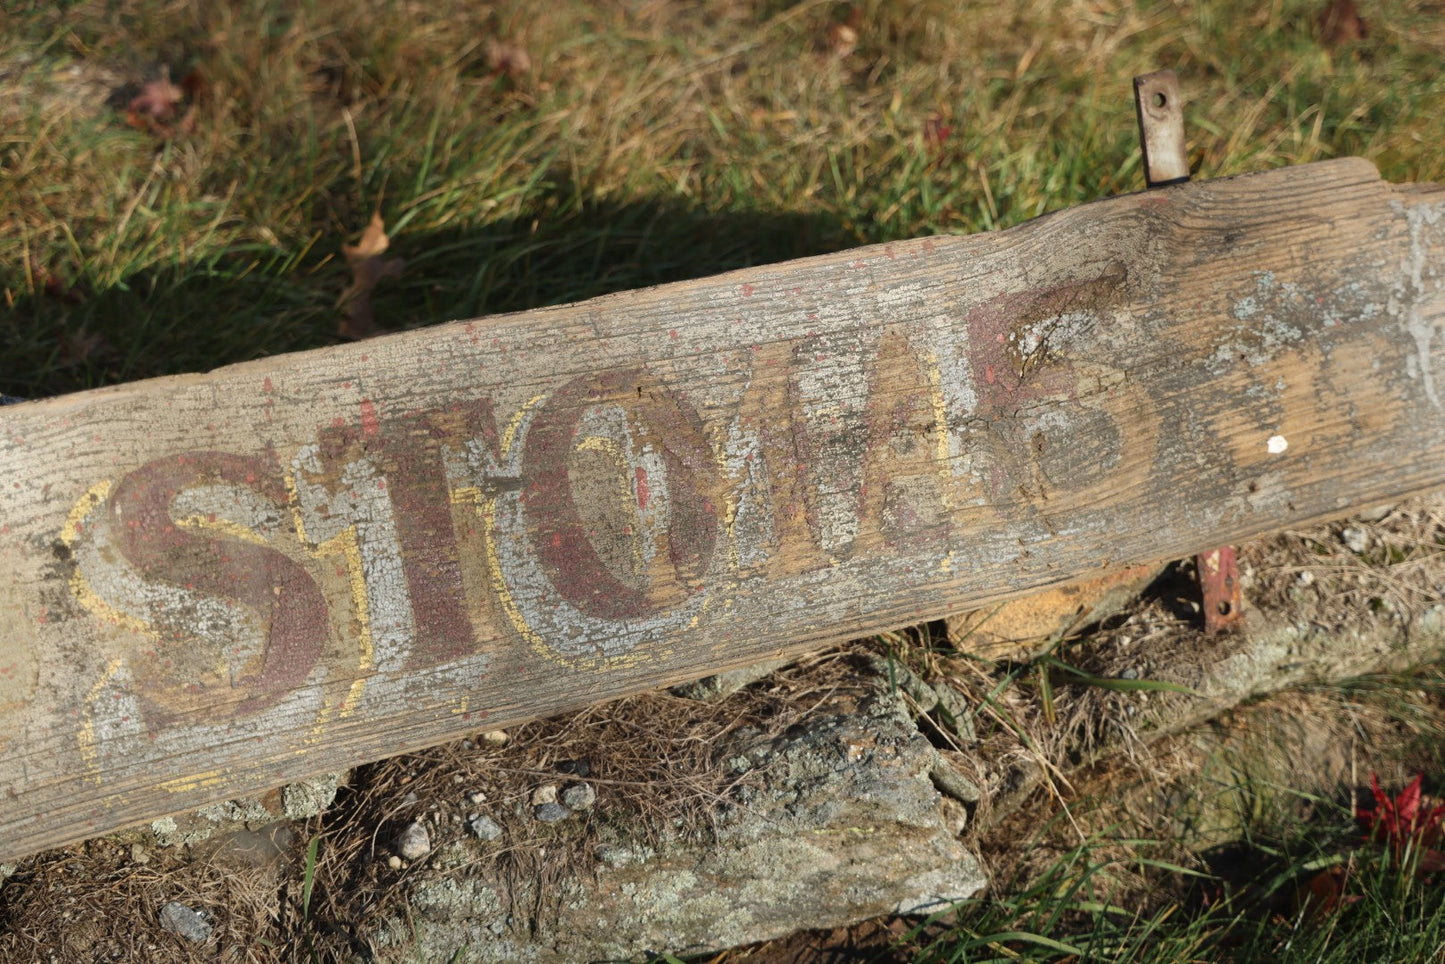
(242, 303)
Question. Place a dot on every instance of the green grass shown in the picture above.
(1238, 892)
(1072, 911)
(648, 143)
(652, 142)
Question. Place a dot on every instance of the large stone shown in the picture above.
(219, 821)
(834, 820)
(1019, 628)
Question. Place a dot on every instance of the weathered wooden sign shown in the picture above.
(213, 584)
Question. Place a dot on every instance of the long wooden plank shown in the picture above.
(216, 583)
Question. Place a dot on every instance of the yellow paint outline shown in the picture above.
(79, 586)
(488, 513)
(233, 529)
(625, 494)
(343, 543)
(198, 781)
(86, 736)
(91, 601)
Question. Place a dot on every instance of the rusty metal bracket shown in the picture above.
(1160, 110)
(1219, 584)
(1161, 128)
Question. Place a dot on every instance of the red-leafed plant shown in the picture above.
(1406, 825)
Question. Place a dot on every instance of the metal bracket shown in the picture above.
(1219, 585)
(1160, 110)
(1161, 128)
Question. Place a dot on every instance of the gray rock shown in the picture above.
(1377, 514)
(551, 812)
(296, 801)
(181, 920)
(955, 712)
(484, 826)
(936, 891)
(721, 685)
(1356, 539)
(838, 820)
(308, 798)
(947, 704)
(579, 796)
(414, 842)
(952, 783)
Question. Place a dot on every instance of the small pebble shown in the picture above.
(496, 738)
(546, 793)
(1357, 540)
(1377, 514)
(477, 796)
(180, 919)
(579, 796)
(394, 862)
(484, 826)
(414, 842)
(139, 855)
(1305, 578)
(578, 768)
(458, 779)
(551, 812)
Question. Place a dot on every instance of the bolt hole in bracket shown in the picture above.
(1161, 128)
(1166, 161)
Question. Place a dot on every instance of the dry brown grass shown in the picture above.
(648, 141)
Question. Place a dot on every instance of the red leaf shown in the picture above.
(1324, 891)
(1400, 821)
(935, 132)
(1407, 802)
(154, 109)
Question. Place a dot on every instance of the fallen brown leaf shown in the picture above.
(843, 37)
(55, 287)
(154, 109)
(195, 85)
(157, 100)
(82, 347)
(1340, 23)
(368, 267)
(509, 59)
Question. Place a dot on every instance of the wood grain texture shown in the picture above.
(213, 584)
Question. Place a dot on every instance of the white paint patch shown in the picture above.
(833, 384)
(1053, 333)
(533, 604)
(233, 637)
(121, 741)
(650, 505)
(363, 504)
(750, 526)
(949, 346)
(243, 508)
(1265, 327)
(1276, 444)
(1413, 291)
